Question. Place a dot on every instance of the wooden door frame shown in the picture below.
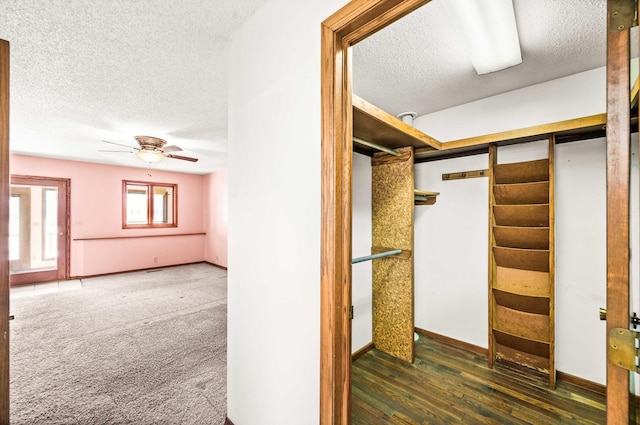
(4, 237)
(351, 24)
(618, 135)
(63, 264)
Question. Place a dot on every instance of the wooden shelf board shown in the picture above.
(522, 215)
(521, 193)
(521, 237)
(538, 131)
(523, 303)
(523, 259)
(522, 358)
(374, 125)
(537, 348)
(417, 192)
(522, 282)
(534, 327)
(431, 197)
(522, 172)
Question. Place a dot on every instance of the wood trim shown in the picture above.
(491, 352)
(538, 130)
(4, 239)
(216, 265)
(228, 421)
(138, 270)
(581, 382)
(361, 352)
(618, 179)
(355, 21)
(370, 119)
(454, 342)
(101, 238)
(335, 250)
(552, 265)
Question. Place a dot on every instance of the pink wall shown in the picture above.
(215, 222)
(96, 212)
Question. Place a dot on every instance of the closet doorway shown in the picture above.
(351, 24)
(38, 229)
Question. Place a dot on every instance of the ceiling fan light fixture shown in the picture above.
(488, 31)
(150, 156)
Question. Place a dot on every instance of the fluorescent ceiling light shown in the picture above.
(487, 29)
(150, 156)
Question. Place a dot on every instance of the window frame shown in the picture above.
(150, 200)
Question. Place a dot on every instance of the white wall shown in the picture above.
(451, 256)
(580, 221)
(581, 275)
(274, 215)
(566, 98)
(361, 242)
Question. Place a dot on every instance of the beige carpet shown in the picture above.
(133, 348)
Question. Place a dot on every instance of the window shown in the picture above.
(149, 205)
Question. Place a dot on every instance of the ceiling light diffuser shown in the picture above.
(487, 29)
(150, 156)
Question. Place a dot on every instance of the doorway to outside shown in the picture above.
(38, 229)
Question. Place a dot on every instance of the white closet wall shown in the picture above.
(361, 246)
(451, 255)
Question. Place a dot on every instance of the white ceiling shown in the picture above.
(417, 64)
(86, 70)
(83, 71)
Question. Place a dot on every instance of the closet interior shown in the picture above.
(521, 232)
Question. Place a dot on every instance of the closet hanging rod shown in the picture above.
(374, 146)
(374, 256)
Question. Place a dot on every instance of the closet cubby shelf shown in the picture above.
(522, 215)
(534, 327)
(522, 172)
(523, 282)
(523, 259)
(525, 345)
(375, 125)
(521, 286)
(521, 193)
(522, 302)
(521, 237)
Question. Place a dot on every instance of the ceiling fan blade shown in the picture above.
(184, 158)
(120, 144)
(172, 148)
(102, 150)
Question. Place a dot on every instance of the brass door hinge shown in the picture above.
(622, 14)
(622, 349)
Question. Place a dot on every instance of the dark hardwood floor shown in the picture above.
(449, 385)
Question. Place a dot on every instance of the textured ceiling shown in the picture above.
(83, 71)
(417, 64)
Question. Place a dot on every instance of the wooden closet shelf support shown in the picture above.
(422, 197)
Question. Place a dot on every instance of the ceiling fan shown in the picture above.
(152, 149)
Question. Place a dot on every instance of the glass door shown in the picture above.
(38, 229)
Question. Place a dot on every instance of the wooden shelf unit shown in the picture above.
(377, 126)
(521, 263)
(374, 125)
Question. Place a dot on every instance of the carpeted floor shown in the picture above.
(134, 348)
